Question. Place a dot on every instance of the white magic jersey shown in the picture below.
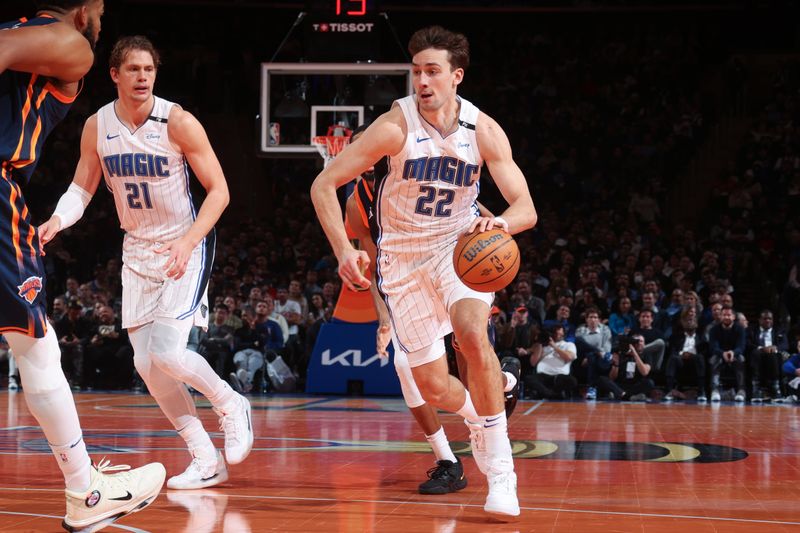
(148, 177)
(425, 202)
(428, 198)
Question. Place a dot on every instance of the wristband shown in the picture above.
(71, 205)
(502, 222)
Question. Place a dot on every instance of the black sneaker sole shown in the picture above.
(451, 487)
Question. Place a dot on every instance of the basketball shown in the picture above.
(486, 261)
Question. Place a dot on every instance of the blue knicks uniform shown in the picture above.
(30, 106)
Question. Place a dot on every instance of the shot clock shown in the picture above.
(342, 30)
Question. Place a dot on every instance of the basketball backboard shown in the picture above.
(301, 100)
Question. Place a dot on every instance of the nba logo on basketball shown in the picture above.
(30, 288)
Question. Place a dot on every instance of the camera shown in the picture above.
(544, 337)
(105, 330)
(624, 343)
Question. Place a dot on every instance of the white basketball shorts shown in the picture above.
(147, 293)
(420, 290)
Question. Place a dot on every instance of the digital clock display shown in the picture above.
(342, 8)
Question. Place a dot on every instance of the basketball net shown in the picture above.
(332, 144)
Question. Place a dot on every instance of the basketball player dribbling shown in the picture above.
(42, 63)
(448, 474)
(437, 143)
(141, 145)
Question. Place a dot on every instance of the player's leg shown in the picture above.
(510, 368)
(49, 399)
(490, 434)
(448, 474)
(207, 467)
(167, 349)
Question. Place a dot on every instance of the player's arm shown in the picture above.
(54, 50)
(384, 137)
(496, 152)
(189, 136)
(84, 184)
(361, 232)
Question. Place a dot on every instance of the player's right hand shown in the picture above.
(352, 265)
(382, 338)
(49, 230)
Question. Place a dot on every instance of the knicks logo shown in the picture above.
(30, 288)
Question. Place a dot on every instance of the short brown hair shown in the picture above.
(129, 43)
(439, 38)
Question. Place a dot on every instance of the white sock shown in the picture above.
(498, 447)
(198, 441)
(75, 464)
(224, 397)
(467, 410)
(440, 445)
(511, 381)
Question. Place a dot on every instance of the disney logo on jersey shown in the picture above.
(152, 136)
(446, 169)
(136, 164)
(30, 288)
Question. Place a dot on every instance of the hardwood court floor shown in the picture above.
(353, 465)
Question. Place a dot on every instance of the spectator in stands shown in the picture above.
(727, 351)
(653, 350)
(563, 319)
(296, 295)
(73, 333)
(622, 321)
(266, 310)
(292, 312)
(248, 356)
(766, 347)
(593, 344)
(791, 370)
(109, 356)
(628, 378)
(534, 304)
(217, 343)
(517, 337)
(687, 348)
(716, 319)
(234, 320)
(317, 310)
(551, 363)
(59, 309)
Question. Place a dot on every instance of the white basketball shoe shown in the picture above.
(502, 499)
(201, 474)
(114, 492)
(236, 422)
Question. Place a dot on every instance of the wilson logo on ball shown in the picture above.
(486, 261)
(476, 248)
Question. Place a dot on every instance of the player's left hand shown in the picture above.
(382, 338)
(487, 223)
(49, 230)
(179, 250)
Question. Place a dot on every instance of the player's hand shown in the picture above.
(179, 250)
(382, 338)
(487, 223)
(352, 265)
(49, 230)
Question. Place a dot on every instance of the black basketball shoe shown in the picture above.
(445, 477)
(512, 366)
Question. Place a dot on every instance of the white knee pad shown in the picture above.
(167, 343)
(39, 361)
(411, 393)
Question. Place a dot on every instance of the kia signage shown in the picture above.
(344, 361)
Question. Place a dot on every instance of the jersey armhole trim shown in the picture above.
(61, 97)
